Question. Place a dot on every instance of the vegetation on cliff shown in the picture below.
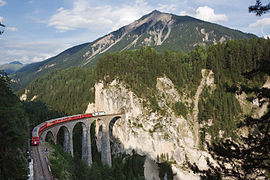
(249, 157)
(13, 133)
(230, 63)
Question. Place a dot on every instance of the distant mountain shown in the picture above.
(15, 62)
(11, 67)
(31, 71)
(158, 30)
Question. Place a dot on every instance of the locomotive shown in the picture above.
(39, 128)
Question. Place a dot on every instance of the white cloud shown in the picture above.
(267, 36)
(167, 8)
(83, 15)
(260, 26)
(29, 52)
(205, 13)
(13, 29)
(33, 50)
(2, 3)
(260, 23)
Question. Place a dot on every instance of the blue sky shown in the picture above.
(39, 29)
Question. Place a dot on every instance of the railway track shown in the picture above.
(41, 171)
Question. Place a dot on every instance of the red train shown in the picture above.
(39, 128)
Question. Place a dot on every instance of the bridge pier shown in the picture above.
(67, 140)
(86, 144)
(106, 149)
(71, 141)
(54, 133)
(106, 157)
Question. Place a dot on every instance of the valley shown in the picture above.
(194, 98)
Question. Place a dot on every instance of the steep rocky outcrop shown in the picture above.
(159, 136)
(162, 136)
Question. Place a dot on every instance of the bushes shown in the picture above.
(124, 167)
(165, 171)
(180, 109)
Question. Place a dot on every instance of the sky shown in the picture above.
(38, 29)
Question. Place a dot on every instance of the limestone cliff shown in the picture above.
(159, 136)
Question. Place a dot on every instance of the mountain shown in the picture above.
(11, 67)
(205, 113)
(158, 30)
(31, 71)
(15, 62)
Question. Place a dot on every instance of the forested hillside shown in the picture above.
(157, 29)
(66, 91)
(238, 66)
(13, 133)
(230, 63)
(69, 91)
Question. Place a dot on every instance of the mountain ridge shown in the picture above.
(15, 62)
(11, 67)
(156, 29)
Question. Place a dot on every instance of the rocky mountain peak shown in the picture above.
(156, 12)
(150, 20)
(15, 62)
(157, 29)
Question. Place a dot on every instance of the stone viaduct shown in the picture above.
(104, 126)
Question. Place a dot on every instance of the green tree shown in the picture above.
(13, 133)
(259, 8)
(1, 32)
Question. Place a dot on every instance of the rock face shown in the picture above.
(156, 25)
(23, 97)
(151, 170)
(160, 137)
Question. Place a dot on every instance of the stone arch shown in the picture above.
(85, 139)
(66, 139)
(103, 137)
(77, 138)
(49, 136)
(82, 136)
(111, 124)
